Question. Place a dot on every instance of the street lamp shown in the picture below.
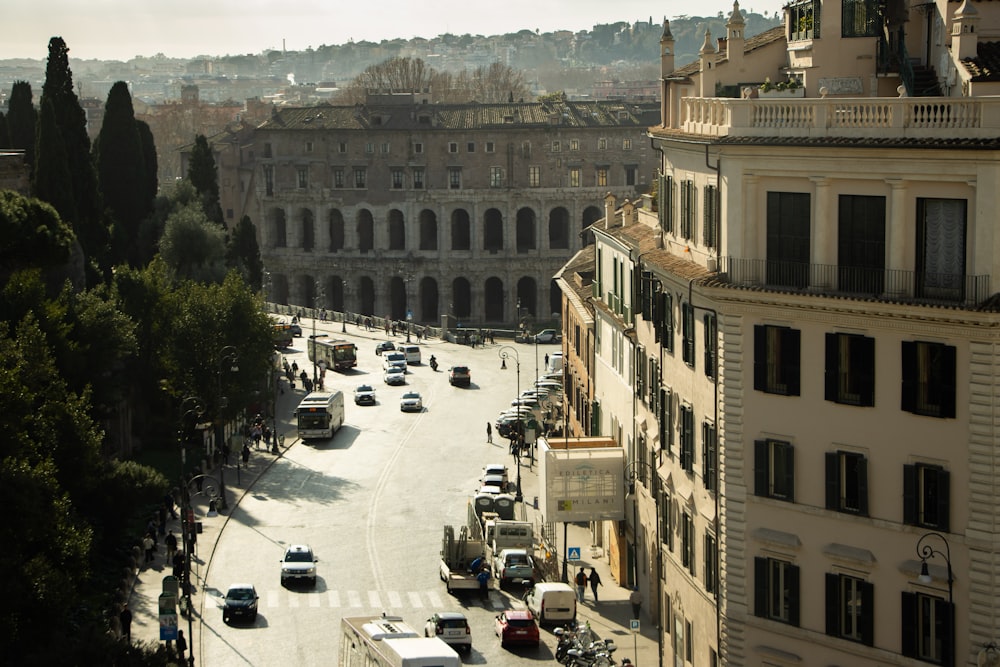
(927, 551)
(343, 305)
(226, 354)
(317, 301)
(631, 475)
(204, 485)
(504, 352)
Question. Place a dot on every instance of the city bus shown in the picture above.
(338, 355)
(386, 641)
(320, 414)
(282, 335)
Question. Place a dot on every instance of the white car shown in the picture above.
(452, 628)
(394, 376)
(391, 359)
(299, 564)
(411, 402)
(364, 395)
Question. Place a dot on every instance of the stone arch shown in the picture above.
(428, 301)
(428, 230)
(278, 225)
(461, 230)
(366, 296)
(397, 230)
(591, 214)
(527, 296)
(492, 230)
(366, 230)
(559, 228)
(334, 294)
(525, 236)
(279, 289)
(306, 288)
(397, 298)
(337, 232)
(461, 298)
(493, 300)
(308, 226)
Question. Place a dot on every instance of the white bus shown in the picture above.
(386, 641)
(320, 414)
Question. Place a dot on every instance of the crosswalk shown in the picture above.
(303, 597)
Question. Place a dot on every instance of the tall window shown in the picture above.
(710, 456)
(859, 18)
(666, 420)
(302, 174)
(496, 177)
(850, 612)
(861, 244)
(776, 590)
(397, 179)
(470, 147)
(941, 248)
(711, 565)
(342, 147)
(776, 359)
(664, 320)
(602, 144)
(534, 177)
(574, 178)
(360, 177)
(455, 178)
(711, 328)
(574, 144)
(928, 379)
(418, 179)
(687, 541)
(631, 172)
(338, 178)
(453, 147)
(268, 153)
(774, 469)
(370, 147)
(626, 144)
(926, 492)
(418, 147)
(269, 180)
(685, 427)
(602, 176)
(847, 482)
(490, 146)
(803, 20)
(850, 369)
(687, 333)
(710, 233)
(788, 219)
(665, 207)
(556, 147)
(688, 206)
(927, 627)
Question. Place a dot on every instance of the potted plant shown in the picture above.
(789, 88)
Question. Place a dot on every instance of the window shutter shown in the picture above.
(910, 495)
(654, 313)
(664, 423)
(792, 577)
(832, 605)
(832, 481)
(760, 457)
(760, 357)
(790, 474)
(948, 388)
(863, 487)
(832, 367)
(791, 359)
(908, 399)
(867, 619)
(908, 615)
(944, 493)
(866, 368)
(947, 647)
(760, 587)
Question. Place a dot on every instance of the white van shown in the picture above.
(411, 352)
(552, 602)
(555, 363)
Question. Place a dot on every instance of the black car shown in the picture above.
(240, 602)
(384, 346)
(459, 376)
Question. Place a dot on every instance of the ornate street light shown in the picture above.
(926, 551)
(631, 475)
(504, 352)
(227, 355)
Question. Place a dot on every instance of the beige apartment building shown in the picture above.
(405, 208)
(796, 342)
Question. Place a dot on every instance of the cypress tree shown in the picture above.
(202, 174)
(52, 178)
(4, 132)
(121, 172)
(149, 156)
(243, 253)
(21, 119)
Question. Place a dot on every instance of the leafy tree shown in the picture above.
(243, 254)
(33, 233)
(205, 178)
(149, 156)
(21, 119)
(121, 171)
(193, 247)
(4, 132)
(53, 182)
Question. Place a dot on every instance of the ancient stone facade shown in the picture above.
(405, 208)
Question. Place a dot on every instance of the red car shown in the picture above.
(516, 627)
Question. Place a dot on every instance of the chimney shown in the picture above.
(609, 209)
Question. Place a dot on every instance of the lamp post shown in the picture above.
(197, 410)
(926, 551)
(343, 304)
(317, 302)
(204, 485)
(227, 354)
(504, 352)
(631, 475)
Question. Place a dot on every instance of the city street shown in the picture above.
(372, 503)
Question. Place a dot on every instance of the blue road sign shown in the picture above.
(633, 625)
(573, 553)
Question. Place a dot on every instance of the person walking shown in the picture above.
(546, 360)
(636, 599)
(148, 545)
(581, 584)
(181, 645)
(125, 618)
(246, 454)
(489, 433)
(484, 583)
(171, 542)
(595, 581)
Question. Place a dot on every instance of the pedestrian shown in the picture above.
(386, 322)
(181, 645)
(546, 360)
(171, 543)
(161, 520)
(636, 599)
(246, 454)
(125, 618)
(178, 562)
(595, 581)
(151, 529)
(148, 545)
(295, 367)
(484, 583)
(303, 376)
(581, 584)
(168, 502)
(489, 433)
(225, 453)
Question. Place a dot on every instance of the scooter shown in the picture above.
(434, 364)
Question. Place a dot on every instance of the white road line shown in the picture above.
(394, 599)
(355, 598)
(415, 600)
(374, 600)
(273, 598)
(334, 599)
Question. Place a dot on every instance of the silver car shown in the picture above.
(394, 376)
(411, 402)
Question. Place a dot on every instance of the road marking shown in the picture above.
(415, 600)
(394, 599)
(293, 601)
(334, 599)
(374, 600)
(314, 600)
(355, 598)
(273, 598)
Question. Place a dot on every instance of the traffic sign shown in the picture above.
(573, 553)
(633, 625)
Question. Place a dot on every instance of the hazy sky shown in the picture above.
(122, 29)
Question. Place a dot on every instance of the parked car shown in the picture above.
(384, 346)
(516, 626)
(394, 376)
(411, 402)
(364, 394)
(547, 336)
(451, 627)
(496, 469)
(299, 564)
(459, 376)
(240, 602)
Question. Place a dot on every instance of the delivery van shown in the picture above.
(412, 354)
(552, 602)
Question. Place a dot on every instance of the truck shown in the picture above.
(386, 641)
(513, 566)
(457, 557)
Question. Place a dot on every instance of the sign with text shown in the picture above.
(582, 483)
(168, 617)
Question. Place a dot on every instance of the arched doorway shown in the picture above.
(559, 228)
(428, 301)
(397, 230)
(492, 231)
(366, 296)
(366, 231)
(461, 233)
(494, 300)
(461, 298)
(428, 230)
(591, 214)
(525, 230)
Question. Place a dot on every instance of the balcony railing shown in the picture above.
(916, 287)
(861, 118)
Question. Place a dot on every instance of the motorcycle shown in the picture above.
(434, 364)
